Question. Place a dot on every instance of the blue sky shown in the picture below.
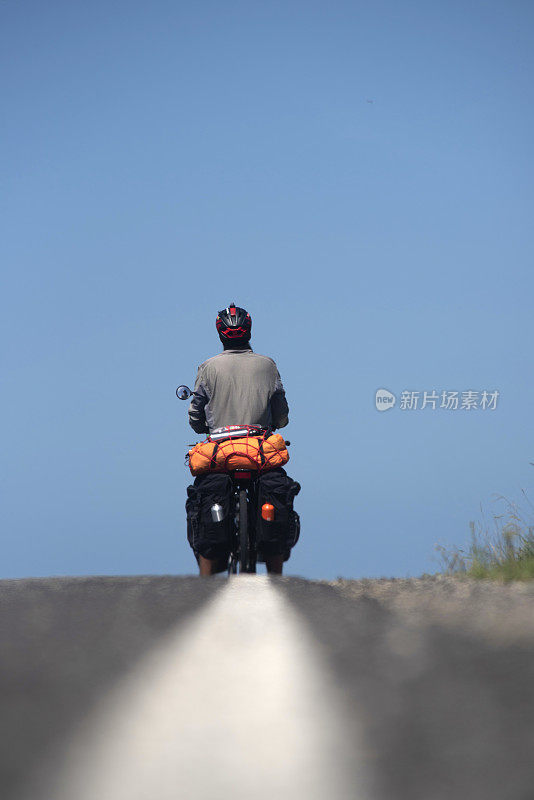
(162, 159)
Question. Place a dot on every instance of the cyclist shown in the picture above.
(237, 387)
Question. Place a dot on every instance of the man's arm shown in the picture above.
(279, 406)
(197, 414)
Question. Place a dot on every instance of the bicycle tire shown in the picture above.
(232, 566)
(244, 544)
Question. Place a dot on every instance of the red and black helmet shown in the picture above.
(233, 323)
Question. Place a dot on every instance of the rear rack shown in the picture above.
(236, 432)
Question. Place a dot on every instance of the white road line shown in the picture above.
(239, 705)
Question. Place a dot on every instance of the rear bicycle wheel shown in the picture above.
(244, 544)
(247, 551)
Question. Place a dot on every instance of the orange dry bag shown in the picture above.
(248, 452)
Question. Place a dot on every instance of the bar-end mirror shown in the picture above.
(183, 393)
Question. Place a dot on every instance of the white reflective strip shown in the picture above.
(238, 706)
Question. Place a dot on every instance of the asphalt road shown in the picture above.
(170, 687)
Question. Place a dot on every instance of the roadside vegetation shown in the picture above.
(501, 549)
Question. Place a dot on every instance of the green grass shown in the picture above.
(500, 551)
(510, 570)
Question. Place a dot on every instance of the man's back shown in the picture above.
(238, 387)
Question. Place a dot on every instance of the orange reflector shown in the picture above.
(267, 512)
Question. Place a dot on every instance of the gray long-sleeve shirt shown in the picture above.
(238, 387)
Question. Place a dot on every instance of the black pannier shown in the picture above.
(207, 536)
(278, 536)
